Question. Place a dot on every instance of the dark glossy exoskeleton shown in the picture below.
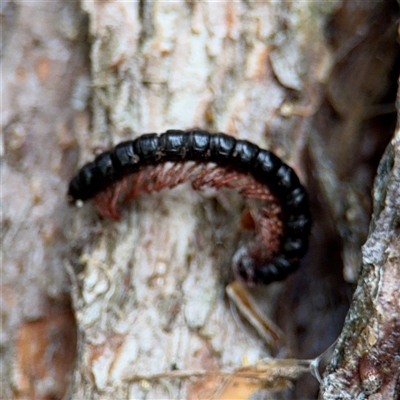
(224, 150)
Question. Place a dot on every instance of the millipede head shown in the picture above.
(84, 185)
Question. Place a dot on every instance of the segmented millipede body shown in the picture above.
(153, 162)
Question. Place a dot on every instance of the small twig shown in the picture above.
(265, 371)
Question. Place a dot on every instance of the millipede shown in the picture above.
(280, 217)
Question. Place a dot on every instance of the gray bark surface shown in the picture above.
(150, 296)
(44, 98)
(366, 361)
(95, 309)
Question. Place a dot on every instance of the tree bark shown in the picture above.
(366, 361)
(45, 83)
(149, 298)
(148, 292)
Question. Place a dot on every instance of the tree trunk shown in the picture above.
(366, 362)
(148, 292)
(45, 89)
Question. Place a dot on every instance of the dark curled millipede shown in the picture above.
(152, 162)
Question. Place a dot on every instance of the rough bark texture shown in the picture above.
(151, 293)
(148, 292)
(366, 361)
(44, 96)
